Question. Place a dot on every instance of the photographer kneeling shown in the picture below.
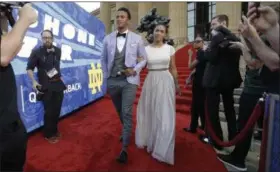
(13, 136)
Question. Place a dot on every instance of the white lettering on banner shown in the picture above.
(66, 53)
(69, 32)
(91, 39)
(52, 24)
(73, 88)
(29, 44)
(22, 98)
(69, 89)
(32, 97)
(82, 36)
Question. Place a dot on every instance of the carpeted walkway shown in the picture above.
(90, 142)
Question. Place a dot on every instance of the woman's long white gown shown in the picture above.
(156, 108)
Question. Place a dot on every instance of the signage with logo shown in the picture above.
(79, 35)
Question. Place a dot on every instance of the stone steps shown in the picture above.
(252, 160)
(236, 107)
(235, 98)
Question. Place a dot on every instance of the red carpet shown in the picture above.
(90, 140)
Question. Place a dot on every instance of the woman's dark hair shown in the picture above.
(126, 11)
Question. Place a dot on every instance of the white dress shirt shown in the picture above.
(121, 41)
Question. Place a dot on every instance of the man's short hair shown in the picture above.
(221, 18)
(47, 30)
(125, 10)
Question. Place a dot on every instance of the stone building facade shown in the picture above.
(187, 18)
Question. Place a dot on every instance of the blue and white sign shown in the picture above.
(79, 35)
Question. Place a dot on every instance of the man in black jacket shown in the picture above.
(198, 96)
(46, 59)
(221, 76)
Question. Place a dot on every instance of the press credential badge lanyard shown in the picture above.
(51, 73)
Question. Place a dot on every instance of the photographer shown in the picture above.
(50, 88)
(13, 137)
(221, 76)
(268, 52)
(267, 23)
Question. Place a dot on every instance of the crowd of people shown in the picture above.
(216, 72)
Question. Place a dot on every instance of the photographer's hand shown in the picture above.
(36, 85)
(265, 21)
(28, 14)
(13, 40)
(247, 30)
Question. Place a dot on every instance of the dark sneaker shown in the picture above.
(228, 160)
(122, 157)
(52, 140)
(189, 130)
(207, 140)
(258, 136)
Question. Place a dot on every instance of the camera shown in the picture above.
(6, 9)
(39, 93)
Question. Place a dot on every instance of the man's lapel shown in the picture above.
(127, 46)
(113, 44)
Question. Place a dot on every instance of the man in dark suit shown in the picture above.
(221, 76)
(198, 96)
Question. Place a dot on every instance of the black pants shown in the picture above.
(213, 101)
(13, 149)
(52, 102)
(247, 104)
(260, 122)
(198, 108)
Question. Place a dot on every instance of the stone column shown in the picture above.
(178, 24)
(105, 15)
(133, 8)
(143, 9)
(120, 4)
(233, 10)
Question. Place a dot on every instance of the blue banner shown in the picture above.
(273, 142)
(79, 35)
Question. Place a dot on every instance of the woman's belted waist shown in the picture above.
(162, 69)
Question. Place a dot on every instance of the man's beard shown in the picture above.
(48, 45)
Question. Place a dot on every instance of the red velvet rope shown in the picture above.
(263, 146)
(256, 114)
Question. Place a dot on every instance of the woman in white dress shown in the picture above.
(156, 110)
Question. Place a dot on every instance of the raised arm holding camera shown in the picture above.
(221, 75)
(13, 136)
(12, 41)
(265, 22)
